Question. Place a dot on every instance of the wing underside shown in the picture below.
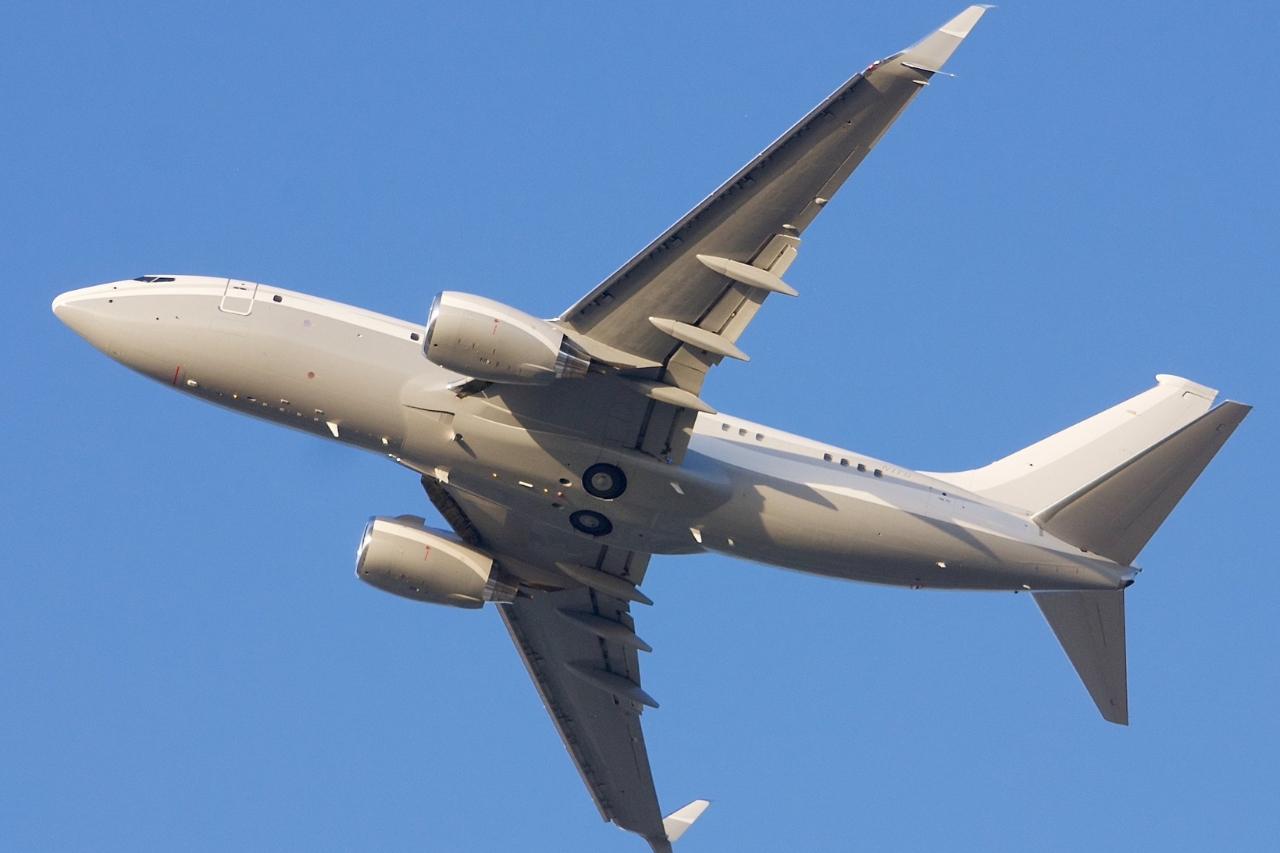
(755, 219)
(600, 728)
(580, 648)
(662, 321)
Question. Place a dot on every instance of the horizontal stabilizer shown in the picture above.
(1116, 514)
(1090, 627)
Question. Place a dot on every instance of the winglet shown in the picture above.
(682, 818)
(934, 49)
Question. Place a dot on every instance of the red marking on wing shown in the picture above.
(427, 554)
(175, 375)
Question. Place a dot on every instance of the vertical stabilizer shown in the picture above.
(1116, 514)
(1090, 627)
(1037, 476)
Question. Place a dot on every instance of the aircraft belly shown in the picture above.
(538, 474)
(343, 380)
(276, 363)
(892, 535)
(373, 390)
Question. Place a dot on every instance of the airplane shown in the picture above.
(562, 453)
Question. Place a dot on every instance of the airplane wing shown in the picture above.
(590, 687)
(664, 319)
(684, 300)
(579, 646)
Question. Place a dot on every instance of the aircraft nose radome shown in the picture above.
(60, 303)
(81, 311)
(73, 309)
(66, 310)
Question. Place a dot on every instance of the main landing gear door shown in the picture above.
(238, 297)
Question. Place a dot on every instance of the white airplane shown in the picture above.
(563, 453)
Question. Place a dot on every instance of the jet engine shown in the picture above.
(403, 557)
(487, 340)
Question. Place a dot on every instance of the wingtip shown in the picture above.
(682, 818)
(961, 25)
(934, 49)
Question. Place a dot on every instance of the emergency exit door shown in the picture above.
(238, 297)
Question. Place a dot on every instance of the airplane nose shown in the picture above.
(61, 301)
(69, 307)
(83, 312)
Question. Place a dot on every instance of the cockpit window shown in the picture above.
(154, 278)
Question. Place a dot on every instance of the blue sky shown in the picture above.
(186, 659)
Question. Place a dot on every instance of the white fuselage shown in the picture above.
(359, 377)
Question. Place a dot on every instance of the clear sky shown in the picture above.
(186, 659)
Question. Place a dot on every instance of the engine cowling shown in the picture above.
(484, 339)
(406, 558)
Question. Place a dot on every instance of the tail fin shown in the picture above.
(1114, 516)
(1105, 485)
(1036, 476)
(1108, 482)
(1117, 513)
(1090, 627)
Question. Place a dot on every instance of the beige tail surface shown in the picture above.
(1106, 485)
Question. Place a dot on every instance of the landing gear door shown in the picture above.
(238, 297)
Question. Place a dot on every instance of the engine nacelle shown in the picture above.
(484, 339)
(401, 556)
